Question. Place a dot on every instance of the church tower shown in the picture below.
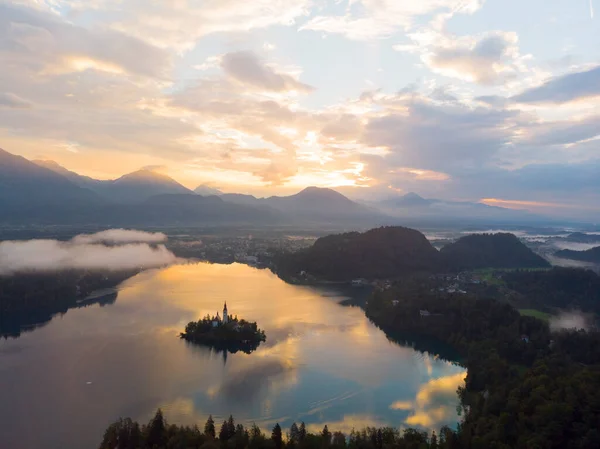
(225, 315)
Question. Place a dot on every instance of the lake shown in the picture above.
(323, 363)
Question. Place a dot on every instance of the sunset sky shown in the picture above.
(495, 101)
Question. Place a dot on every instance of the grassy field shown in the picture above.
(536, 313)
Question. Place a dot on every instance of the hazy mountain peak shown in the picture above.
(412, 196)
(206, 190)
(145, 174)
(142, 184)
(321, 192)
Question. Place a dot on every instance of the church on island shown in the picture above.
(227, 332)
(217, 321)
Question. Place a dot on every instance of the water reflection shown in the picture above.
(322, 363)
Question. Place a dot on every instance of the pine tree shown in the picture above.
(326, 436)
(230, 427)
(294, 433)
(209, 427)
(302, 432)
(277, 437)
(157, 430)
(224, 432)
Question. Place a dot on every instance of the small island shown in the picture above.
(224, 334)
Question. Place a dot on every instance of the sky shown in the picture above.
(495, 101)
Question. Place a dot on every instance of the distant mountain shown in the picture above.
(75, 178)
(134, 187)
(580, 237)
(205, 190)
(197, 209)
(409, 200)
(314, 205)
(142, 184)
(500, 250)
(28, 190)
(591, 255)
(380, 253)
(414, 208)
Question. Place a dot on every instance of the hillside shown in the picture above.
(500, 250)
(385, 252)
(591, 255)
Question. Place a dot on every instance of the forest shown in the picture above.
(526, 387)
(564, 288)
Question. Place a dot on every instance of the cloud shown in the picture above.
(379, 19)
(441, 138)
(490, 59)
(120, 236)
(13, 101)
(245, 67)
(52, 255)
(179, 24)
(56, 46)
(561, 132)
(564, 89)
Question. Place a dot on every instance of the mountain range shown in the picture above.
(43, 192)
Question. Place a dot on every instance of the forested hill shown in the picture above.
(390, 252)
(591, 255)
(385, 252)
(500, 250)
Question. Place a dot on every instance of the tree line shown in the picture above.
(158, 434)
(34, 297)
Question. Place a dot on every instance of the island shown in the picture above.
(224, 334)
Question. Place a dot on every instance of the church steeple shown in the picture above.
(225, 315)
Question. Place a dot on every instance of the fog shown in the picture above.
(569, 263)
(83, 253)
(569, 320)
(575, 246)
(121, 236)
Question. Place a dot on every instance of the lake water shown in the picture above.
(323, 363)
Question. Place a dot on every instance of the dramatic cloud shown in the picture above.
(82, 253)
(120, 236)
(13, 101)
(247, 68)
(563, 89)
